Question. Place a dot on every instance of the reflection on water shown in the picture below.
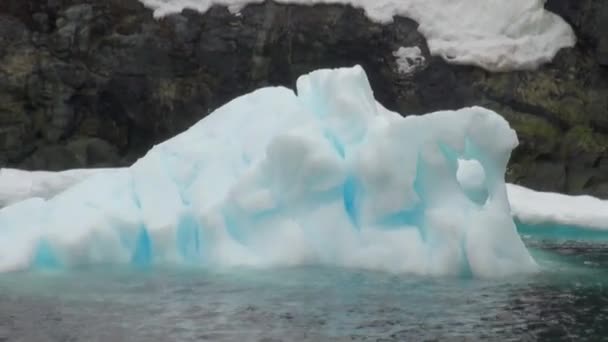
(568, 301)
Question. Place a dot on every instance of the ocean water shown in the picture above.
(567, 301)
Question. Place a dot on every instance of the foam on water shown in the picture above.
(324, 177)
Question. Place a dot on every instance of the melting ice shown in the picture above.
(274, 178)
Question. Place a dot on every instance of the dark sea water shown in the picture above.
(567, 301)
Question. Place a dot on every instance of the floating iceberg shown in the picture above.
(327, 176)
(558, 216)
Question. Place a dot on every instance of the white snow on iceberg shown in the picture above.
(18, 185)
(326, 176)
(498, 35)
(538, 210)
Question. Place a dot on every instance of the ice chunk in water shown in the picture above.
(327, 176)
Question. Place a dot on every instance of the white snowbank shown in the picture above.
(534, 208)
(498, 35)
(324, 176)
(409, 59)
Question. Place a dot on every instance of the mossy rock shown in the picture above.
(582, 139)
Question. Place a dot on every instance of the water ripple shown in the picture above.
(567, 302)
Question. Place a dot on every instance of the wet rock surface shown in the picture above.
(89, 83)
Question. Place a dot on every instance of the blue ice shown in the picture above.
(323, 175)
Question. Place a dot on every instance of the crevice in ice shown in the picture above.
(143, 250)
(170, 158)
(418, 186)
(465, 271)
(232, 227)
(451, 156)
(135, 196)
(335, 143)
(45, 257)
(187, 234)
(349, 194)
(188, 239)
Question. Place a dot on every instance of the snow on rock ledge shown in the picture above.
(326, 176)
(498, 35)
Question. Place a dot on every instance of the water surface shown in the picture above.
(567, 301)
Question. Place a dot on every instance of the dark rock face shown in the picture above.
(590, 21)
(88, 83)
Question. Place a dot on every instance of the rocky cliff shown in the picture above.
(86, 83)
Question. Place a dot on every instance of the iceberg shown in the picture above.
(323, 176)
(535, 209)
(18, 185)
(558, 216)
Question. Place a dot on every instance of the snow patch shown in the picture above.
(541, 208)
(497, 35)
(409, 59)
